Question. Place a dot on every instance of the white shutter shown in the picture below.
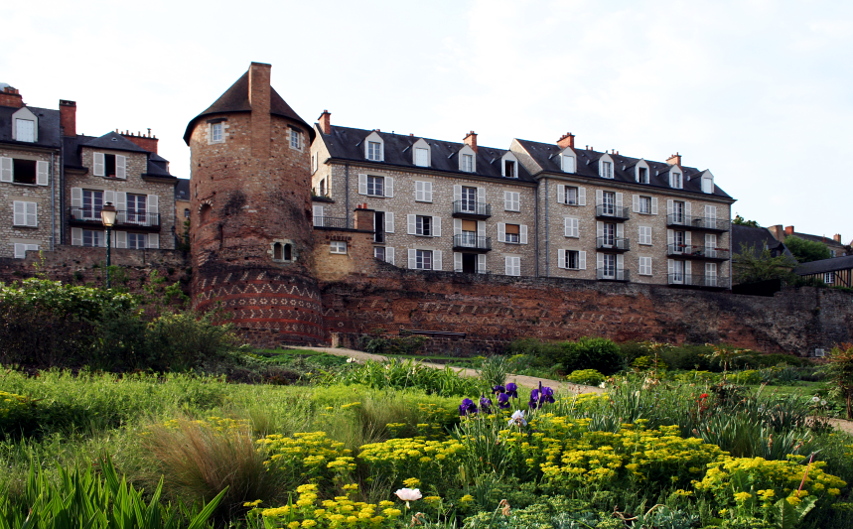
(507, 200)
(19, 216)
(318, 216)
(711, 212)
(688, 209)
(436, 226)
(428, 191)
(412, 226)
(389, 187)
(599, 196)
(389, 254)
(561, 194)
(654, 205)
(599, 261)
(620, 262)
(688, 271)
(501, 232)
(457, 193)
(481, 228)
(121, 205)
(389, 222)
(561, 258)
(153, 240)
(567, 228)
(670, 238)
(77, 236)
(582, 260)
(98, 159)
(121, 239)
(636, 204)
(523, 236)
(153, 206)
(620, 231)
(419, 191)
(42, 173)
(581, 196)
(619, 200)
(669, 207)
(121, 166)
(599, 229)
(508, 266)
(687, 241)
(481, 196)
(20, 250)
(110, 198)
(77, 197)
(31, 213)
(413, 259)
(436, 260)
(670, 268)
(6, 170)
(362, 184)
(481, 263)
(457, 262)
(457, 226)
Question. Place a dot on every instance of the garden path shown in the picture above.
(521, 380)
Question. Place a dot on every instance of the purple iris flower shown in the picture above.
(498, 389)
(540, 396)
(485, 404)
(503, 401)
(467, 407)
(512, 390)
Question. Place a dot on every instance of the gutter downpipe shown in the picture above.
(346, 186)
(547, 232)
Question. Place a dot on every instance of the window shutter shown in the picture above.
(688, 209)
(153, 240)
(389, 222)
(619, 200)
(362, 184)
(620, 262)
(688, 271)
(436, 260)
(76, 198)
(620, 231)
(481, 228)
(20, 213)
(389, 254)
(670, 267)
(318, 215)
(711, 211)
(121, 239)
(121, 205)
(20, 250)
(687, 240)
(419, 191)
(649, 265)
(412, 227)
(670, 237)
(654, 205)
(98, 159)
(599, 261)
(507, 201)
(428, 191)
(389, 187)
(669, 207)
(121, 166)
(599, 196)
(561, 258)
(582, 260)
(599, 229)
(457, 226)
(581, 196)
(481, 263)
(6, 170)
(153, 212)
(42, 173)
(436, 226)
(561, 194)
(31, 213)
(109, 196)
(508, 266)
(501, 232)
(457, 262)
(457, 193)
(636, 207)
(523, 236)
(481, 195)
(567, 228)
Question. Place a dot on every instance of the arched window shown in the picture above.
(277, 253)
(288, 252)
(205, 213)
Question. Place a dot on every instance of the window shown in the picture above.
(469, 199)
(645, 266)
(711, 244)
(324, 188)
(572, 227)
(421, 157)
(136, 210)
(93, 202)
(513, 233)
(136, 241)
(678, 241)
(606, 169)
(675, 180)
(25, 130)
(512, 201)
(707, 184)
(676, 272)
(338, 247)
(468, 235)
(282, 251)
(509, 166)
(13, 170)
(829, 278)
(608, 203)
(571, 259)
(110, 165)
(678, 212)
(25, 214)
(376, 186)
(423, 191)
(22, 249)
(295, 139)
(643, 175)
(423, 225)
(315, 162)
(513, 266)
(645, 235)
(186, 213)
(832, 253)
(423, 259)
(608, 266)
(568, 163)
(379, 252)
(571, 195)
(216, 133)
(645, 205)
(374, 151)
(710, 274)
(93, 238)
(467, 163)
(608, 234)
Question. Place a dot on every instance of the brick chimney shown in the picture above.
(837, 238)
(325, 122)
(68, 117)
(471, 139)
(259, 100)
(777, 232)
(675, 159)
(363, 218)
(146, 141)
(567, 140)
(789, 230)
(11, 98)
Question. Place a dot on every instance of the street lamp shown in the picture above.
(108, 217)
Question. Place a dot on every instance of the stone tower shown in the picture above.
(251, 221)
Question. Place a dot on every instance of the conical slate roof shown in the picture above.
(236, 99)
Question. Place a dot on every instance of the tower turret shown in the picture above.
(251, 220)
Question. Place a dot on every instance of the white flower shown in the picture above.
(408, 495)
(518, 418)
(350, 360)
(823, 403)
(602, 385)
(815, 398)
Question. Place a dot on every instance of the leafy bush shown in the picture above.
(750, 376)
(600, 354)
(408, 375)
(590, 377)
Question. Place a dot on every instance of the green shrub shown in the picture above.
(687, 357)
(589, 377)
(600, 354)
(750, 376)
(644, 363)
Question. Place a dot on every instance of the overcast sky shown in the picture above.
(759, 92)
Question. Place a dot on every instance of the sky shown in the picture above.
(757, 91)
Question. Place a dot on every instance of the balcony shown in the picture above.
(471, 210)
(330, 222)
(609, 211)
(471, 243)
(611, 274)
(463, 271)
(137, 221)
(612, 244)
(698, 223)
(698, 281)
(705, 253)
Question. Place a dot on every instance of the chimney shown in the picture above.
(259, 99)
(837, 238)
(363, 218)
(68, 117)
(789, 230)
(11, 98)
(471, 139)
(567, 140)
(776, 231)
(325, 122)
(675, 159)
(147, 141)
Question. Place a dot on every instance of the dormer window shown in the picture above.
(421, 153)
(605, 166)
(676, 179)
(374, 151)
(509, 166)
(25, 130)
(109, 165)
(568, 163)
(467, 159)
(707, 182)
(641, 173)
(468, 163)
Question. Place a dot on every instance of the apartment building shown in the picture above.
(535, 209)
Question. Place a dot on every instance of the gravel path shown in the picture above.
(521, 380)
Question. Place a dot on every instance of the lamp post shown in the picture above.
(108, 217)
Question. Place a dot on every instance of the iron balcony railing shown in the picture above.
(611, 211)
(612, 243)
(329, 222)
(473, 242)
(475, 209)
(700, 223)
(698, 252)
(612, 274)
(123, 217)
(462, 271)
(699, 280)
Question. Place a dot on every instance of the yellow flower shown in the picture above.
(308, 523)
(767, 494)
(293, 525)
(466, 499)
(742, 496)
(793, 500)
(833, 492)
(412, 483)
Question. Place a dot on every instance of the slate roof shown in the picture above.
(236, 99)
(834, 264)
(48, 125)
(829, 241)
(348, 144)
(546, 157)
(757, 239)
(182, 190)
(157, 165)
(113, 141)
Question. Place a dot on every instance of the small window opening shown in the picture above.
(509, 168)
(24, 171)
(277, 251)
(110, 164)
(288, 252)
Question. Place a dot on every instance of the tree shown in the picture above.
(806, 251)
(840, 371)
(740, 221)
(751, 266)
